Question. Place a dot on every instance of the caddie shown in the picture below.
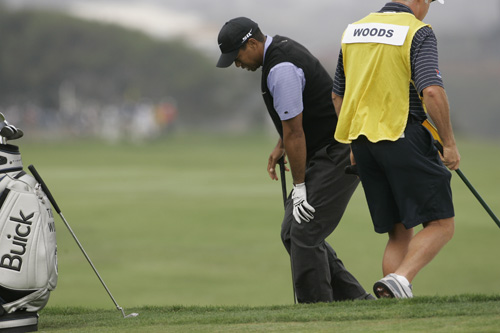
(387, 81)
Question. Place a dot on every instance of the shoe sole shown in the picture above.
(390, 289)
(381, 290)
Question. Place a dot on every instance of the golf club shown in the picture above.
(352, 170)
(439, 145)
(7, 131)
(281, 163)
(56, 207)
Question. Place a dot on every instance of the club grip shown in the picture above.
(281, 163)
(44, 188)
(439, 146)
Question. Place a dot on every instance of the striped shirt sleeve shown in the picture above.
(424, 60)
(339, 81)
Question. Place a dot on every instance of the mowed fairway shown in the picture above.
(195, 220)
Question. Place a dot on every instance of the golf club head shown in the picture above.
(7, 131)
(133, 314)
(10, 132)
(3, 122)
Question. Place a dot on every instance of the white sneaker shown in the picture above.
(391, 287)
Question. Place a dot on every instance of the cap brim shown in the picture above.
(227, 59)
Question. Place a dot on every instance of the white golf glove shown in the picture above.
(302, 210)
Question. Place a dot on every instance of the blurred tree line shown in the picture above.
(43, 55)
(42, 51)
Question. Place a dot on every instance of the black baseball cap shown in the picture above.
(233, 35)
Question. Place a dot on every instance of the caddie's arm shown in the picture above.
(438, 108)
(337, 102)
(294, 141)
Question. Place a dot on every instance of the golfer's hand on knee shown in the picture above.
(302, 210)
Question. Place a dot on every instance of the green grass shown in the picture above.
(194, 220)
(465, 313)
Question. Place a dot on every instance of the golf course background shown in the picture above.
(195, 220)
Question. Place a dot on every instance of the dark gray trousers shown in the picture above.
(318, 275)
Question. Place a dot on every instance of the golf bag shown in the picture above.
(28, 248)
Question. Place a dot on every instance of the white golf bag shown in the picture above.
(28, 248)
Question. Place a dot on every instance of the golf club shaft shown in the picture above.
(58, 210)
(281, 163)
(472, 189)
(439, 145)
(88, 259)
(478, 197)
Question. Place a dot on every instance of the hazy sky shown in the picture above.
(318, 23)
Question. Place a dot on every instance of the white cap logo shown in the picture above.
(248, 35)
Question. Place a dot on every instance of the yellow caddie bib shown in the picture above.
(376, 52)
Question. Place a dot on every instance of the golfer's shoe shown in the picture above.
(390, 287)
